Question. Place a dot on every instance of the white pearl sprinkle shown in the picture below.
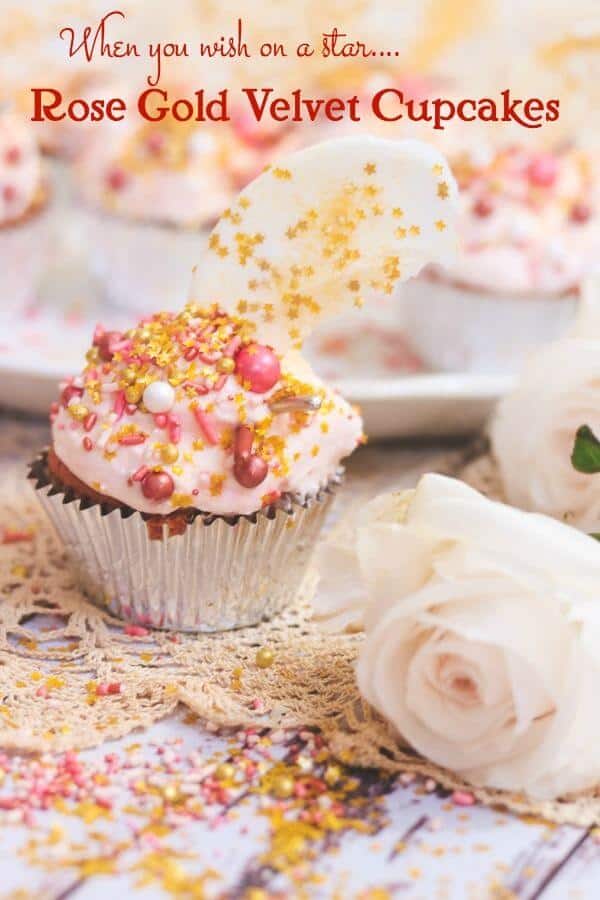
(159, 397)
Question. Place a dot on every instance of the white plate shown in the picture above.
(429, 405)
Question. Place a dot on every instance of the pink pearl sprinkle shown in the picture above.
(543, 170)
(259, 366)
(161, 420)
(462, 798)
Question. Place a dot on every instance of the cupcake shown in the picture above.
(148, 188)
(529, 228)
(194, 459)
(23, 220)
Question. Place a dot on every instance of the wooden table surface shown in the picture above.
(418, 843)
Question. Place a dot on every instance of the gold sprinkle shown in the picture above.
(78, 411)
(169, 454)
(225, 772)
(216, 484)
(264, 657)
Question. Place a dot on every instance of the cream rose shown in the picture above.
(482, 642)
(533, 431)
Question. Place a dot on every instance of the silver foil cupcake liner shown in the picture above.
(222, 572)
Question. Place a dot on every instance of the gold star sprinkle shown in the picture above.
(397, 212)
(370, 168)
(442, 190)
(440, 225)
(414, 230)
(438, 169)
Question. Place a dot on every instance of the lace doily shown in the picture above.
(71, 676)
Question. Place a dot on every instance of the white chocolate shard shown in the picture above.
(325, 229)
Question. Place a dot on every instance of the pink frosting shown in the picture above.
(112, 444)
(176, 173)
(529, 222)
(20, 169)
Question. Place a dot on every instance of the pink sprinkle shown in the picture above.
(114, 687)
(190, 354)
(12, 156)
(207, 425)
(233, 346)
(130, 409)
(119, 407)
(116, 179)
(14, 536)
(136, 630)
(543, 170)
(102, 689)
(220, 382)
(42, 691)
(140, 474)
(87, 444)
(462, 798)
(120, 346)
(161, 420)
(90, 421)
(54, 407)
(174, 429)
(131, 440)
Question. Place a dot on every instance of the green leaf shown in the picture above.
(586, 451)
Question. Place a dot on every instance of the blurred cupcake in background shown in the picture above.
(24, 220)
(66, 138)
(148, 189)
(529, 229)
